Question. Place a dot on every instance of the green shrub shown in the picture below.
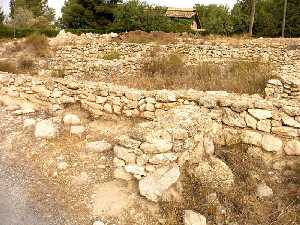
(8, 32)
(114, 54)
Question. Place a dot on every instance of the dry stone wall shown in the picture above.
(85, 60)
(180, 126)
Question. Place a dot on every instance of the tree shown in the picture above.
(252, 17)
(88, 13)
(2, 16)
(215, 19)
(136, 15)
(284, 18)
(36, 12)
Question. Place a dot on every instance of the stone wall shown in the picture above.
(182, 125)
(85, 60)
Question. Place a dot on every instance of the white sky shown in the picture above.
(57, 4)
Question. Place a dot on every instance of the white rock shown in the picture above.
(71, 119)
(29, 123)
(271, 143)
(98, 146)
(208, 144)
(264, 191)
(193, 218)
(12, 108)
(260, 114)
(98, 222)
(154, 185)
(292, 147)
(45, 129)
(159, 146)
(135, 169)
(77, 130)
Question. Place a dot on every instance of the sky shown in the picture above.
(57, 4)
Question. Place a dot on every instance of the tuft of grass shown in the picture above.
(114, 54)
(6, 66)
(59, 73)
(38, 44)
(25, 63)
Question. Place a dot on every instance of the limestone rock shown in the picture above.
(264, 191)
(214, 174)
(45, 129)
(264, 125)
(260, 114)
(98, 146)
(125, 154)
(208, 144)
(233, 119)
(154, 185)
(160, 146)
(29, 123)
(71, 119)
(77, 130)
(292, 147)
(193, 218)
(271, 143)
(163, 158)
(98, 222)
(252, 138)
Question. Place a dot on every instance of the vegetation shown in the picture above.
(2, 16)
(80, 14)
(170, 72)
(241, 203)
(31, 14)
(114, 54)
(215, 19)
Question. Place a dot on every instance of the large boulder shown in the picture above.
(193, 218)
(45, 129)
(155, 185)
(214, 173)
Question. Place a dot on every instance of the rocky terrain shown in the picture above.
(89, 152)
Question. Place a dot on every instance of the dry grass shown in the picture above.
(38, 44)
(8, 67)
(111, 55)
(170, 72)
(25, 63)
(241, 203)
(144, 37)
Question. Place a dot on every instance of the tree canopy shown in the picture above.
(88, 13)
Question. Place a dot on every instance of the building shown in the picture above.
(185, 14)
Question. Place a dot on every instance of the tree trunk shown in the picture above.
(252, 17)
(283, 20)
